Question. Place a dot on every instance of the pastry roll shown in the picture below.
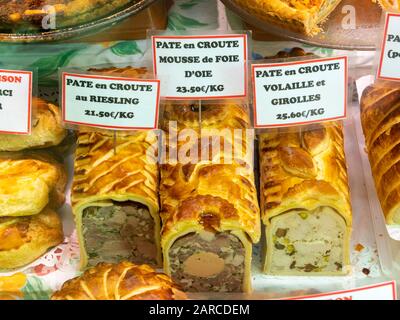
(24, 239)
(122, 281)
(380, 118)
(115, 197)
(305, 201)
(208, 198)
(47, 129)
(29, 184)
(297, 15)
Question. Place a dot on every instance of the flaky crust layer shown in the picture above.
(29, 184)
(221, 195)
(128, 72)
(47, 129)
(304, 168)
(380, 118)
(123, 281)
(390, 5)
(297, 15)
(124, 169)
(24, 239)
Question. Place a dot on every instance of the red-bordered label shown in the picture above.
(381, 291)
(111, 102)
(289, 94)
(15, 101)
(389, 62)
(228, 78)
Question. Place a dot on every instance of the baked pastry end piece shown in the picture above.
(24, 239)
(47, 129)
(28, 185)
(122, 281)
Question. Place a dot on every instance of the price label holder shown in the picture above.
(389, 56)
(201, 67)
(299, 91)
(380, 291)
(109, 102)
(94, 100)
(16, 99)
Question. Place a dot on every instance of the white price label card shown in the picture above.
(201, 67)
(389, 63)
(15, 101)
(110, 102)
(300, 92)
(380, 291)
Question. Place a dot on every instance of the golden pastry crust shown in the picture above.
(47, 129)
(126, 172)
(29, 184)
(297, 15)
(128, 72)
(24, 239)
(225, 190)
(390, 5)
(380, 118)
(123, 281)
(304, 169)
(305, 200)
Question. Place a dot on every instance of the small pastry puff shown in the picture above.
(29, 183)
(47, 129)
(24, 239)
(31, 188)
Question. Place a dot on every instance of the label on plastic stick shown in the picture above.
(201, 67)
(300, 92)
(389, 63)
(380, 291)
(110, 102)
(15, 101)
